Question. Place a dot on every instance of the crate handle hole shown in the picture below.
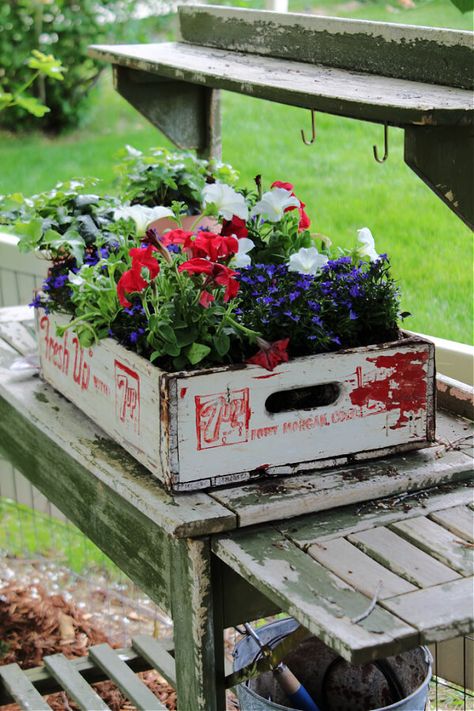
(307, 398)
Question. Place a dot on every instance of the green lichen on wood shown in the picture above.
(429, 55)
(41, 397)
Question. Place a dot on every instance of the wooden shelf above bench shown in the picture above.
(358, 95)
(417, 78)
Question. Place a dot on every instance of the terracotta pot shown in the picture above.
(209, 223)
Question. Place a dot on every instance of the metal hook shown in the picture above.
(313, 130)
(385, 146)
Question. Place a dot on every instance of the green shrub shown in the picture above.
(64, 28)
(161, 177)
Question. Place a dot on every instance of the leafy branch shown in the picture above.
(44, 65)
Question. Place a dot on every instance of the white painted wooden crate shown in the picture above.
(204, 428)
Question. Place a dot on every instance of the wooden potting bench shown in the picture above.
(370, 575)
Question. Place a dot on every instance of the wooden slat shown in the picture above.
(157, 655)
(130, 685)
(458, 519)
(437, 542)
(428, 54)
(7, 354)
(402, 557)
(318, 599)
(286, 497)
(327, 89)
(455, 432)
(17, 336)
(10, 314)
(73, 684)
(358, 569)
(352, 519)
(454, 395)
(438, 610)
(21, 689)
(46, 684)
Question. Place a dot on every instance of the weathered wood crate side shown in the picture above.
(113, 386)
(205, 428)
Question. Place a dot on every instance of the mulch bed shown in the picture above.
(35, 623)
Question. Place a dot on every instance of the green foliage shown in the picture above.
(44, 65)
(67, 28)
(464, 5)
(160, 177)
(67, 219)
(165, 322)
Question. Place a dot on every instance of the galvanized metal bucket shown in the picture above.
(399, 682)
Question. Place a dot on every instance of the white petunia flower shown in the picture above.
(142, 216)
(274, 203)
(367, 248)
(242, 258)
(307, 261)
(75, 279)
(227, 201)
(134, 152)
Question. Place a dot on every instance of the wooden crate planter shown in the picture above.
(204, 428)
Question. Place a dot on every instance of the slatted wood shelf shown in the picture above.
(326, 569)
(75, 676)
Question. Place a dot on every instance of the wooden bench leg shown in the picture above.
(196, 607)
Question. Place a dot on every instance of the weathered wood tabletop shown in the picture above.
(372, 578)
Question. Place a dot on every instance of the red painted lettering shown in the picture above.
(81, 372)
(56, 349)
(127, 396)
(222, 419)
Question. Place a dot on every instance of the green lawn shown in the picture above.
(344, 188)
(440, 13)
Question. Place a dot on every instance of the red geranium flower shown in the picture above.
(217, 275)
(142, 258)
(197, 266)
(132, 280)
(177, 236)
(208, 244)
(270, 354)
(129, 282)
(286, 186)
(304, 222)
(235, 226)
(206, 299)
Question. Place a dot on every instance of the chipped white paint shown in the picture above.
(202, 581)
(319, 600)
(204, 427)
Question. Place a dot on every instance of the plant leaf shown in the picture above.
(32, 105)
(222, 343)
(197, 352)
